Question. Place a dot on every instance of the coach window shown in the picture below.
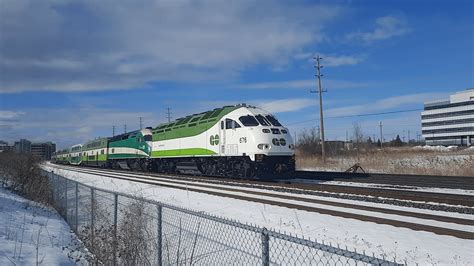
(222, 124)
(102, 152)
(229, 123)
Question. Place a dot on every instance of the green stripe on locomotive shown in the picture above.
(191, 125)
(133, 143)
(182, 152)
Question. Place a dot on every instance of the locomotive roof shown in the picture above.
(124, 135)
(201, 116)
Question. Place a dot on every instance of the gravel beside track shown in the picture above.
(267, 197)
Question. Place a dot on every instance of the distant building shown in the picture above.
(449, 122)
(43, 150)
(4, 147)
(23, 146)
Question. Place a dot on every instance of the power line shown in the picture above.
(360, 115)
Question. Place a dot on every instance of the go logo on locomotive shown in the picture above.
(214, 140)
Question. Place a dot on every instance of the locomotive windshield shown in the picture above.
(147, 137)
(273, 120)
(248, 121)
(262, 120)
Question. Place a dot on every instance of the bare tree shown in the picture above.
(358, 136)
(309, 142)
(134, 240)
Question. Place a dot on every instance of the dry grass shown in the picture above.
(398, 161)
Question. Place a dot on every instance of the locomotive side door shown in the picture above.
(222, 138)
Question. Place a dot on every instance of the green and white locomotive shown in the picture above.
(233, 141)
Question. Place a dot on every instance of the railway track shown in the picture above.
(364, 193)
(442, 224)
(451, 182)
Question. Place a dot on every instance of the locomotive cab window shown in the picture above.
(262, 120)
(230, 124)
(147, 137)
(248, 121)
(273, 120)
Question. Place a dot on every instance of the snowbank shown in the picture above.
(31, 234)
(436, 148)
(382, 240)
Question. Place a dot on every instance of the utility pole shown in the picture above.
(381, 135)
(168, 113)
(141, 119)
(125, 128)
(408, 137)
(321, 117)
(113, 131)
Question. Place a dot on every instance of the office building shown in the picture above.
(449, 122)
(23, 146)
(43, 150)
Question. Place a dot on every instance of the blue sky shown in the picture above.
(70, 70)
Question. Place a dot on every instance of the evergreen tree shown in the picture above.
(397, 142)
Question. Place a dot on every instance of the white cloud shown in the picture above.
(72, 125)
(97, 45)
(304, 84)
(8, 115)
(343, 60)
(385, 28)
(332, 60)
(384, 104)
(286, 105)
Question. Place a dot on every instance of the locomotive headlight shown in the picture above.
(266, 130)
(282, 142)
(276, 142)
(263, 146)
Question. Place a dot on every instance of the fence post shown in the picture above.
(159, 232)
(92, 215)
(115, 227)
(51, 181)
(265, 248)
(65, 200)
(56, 189)
(77, 208)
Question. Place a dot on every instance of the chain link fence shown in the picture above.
(121, 229)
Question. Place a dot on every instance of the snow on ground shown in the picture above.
(404, 244)
(394, 187)
(31, 234)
